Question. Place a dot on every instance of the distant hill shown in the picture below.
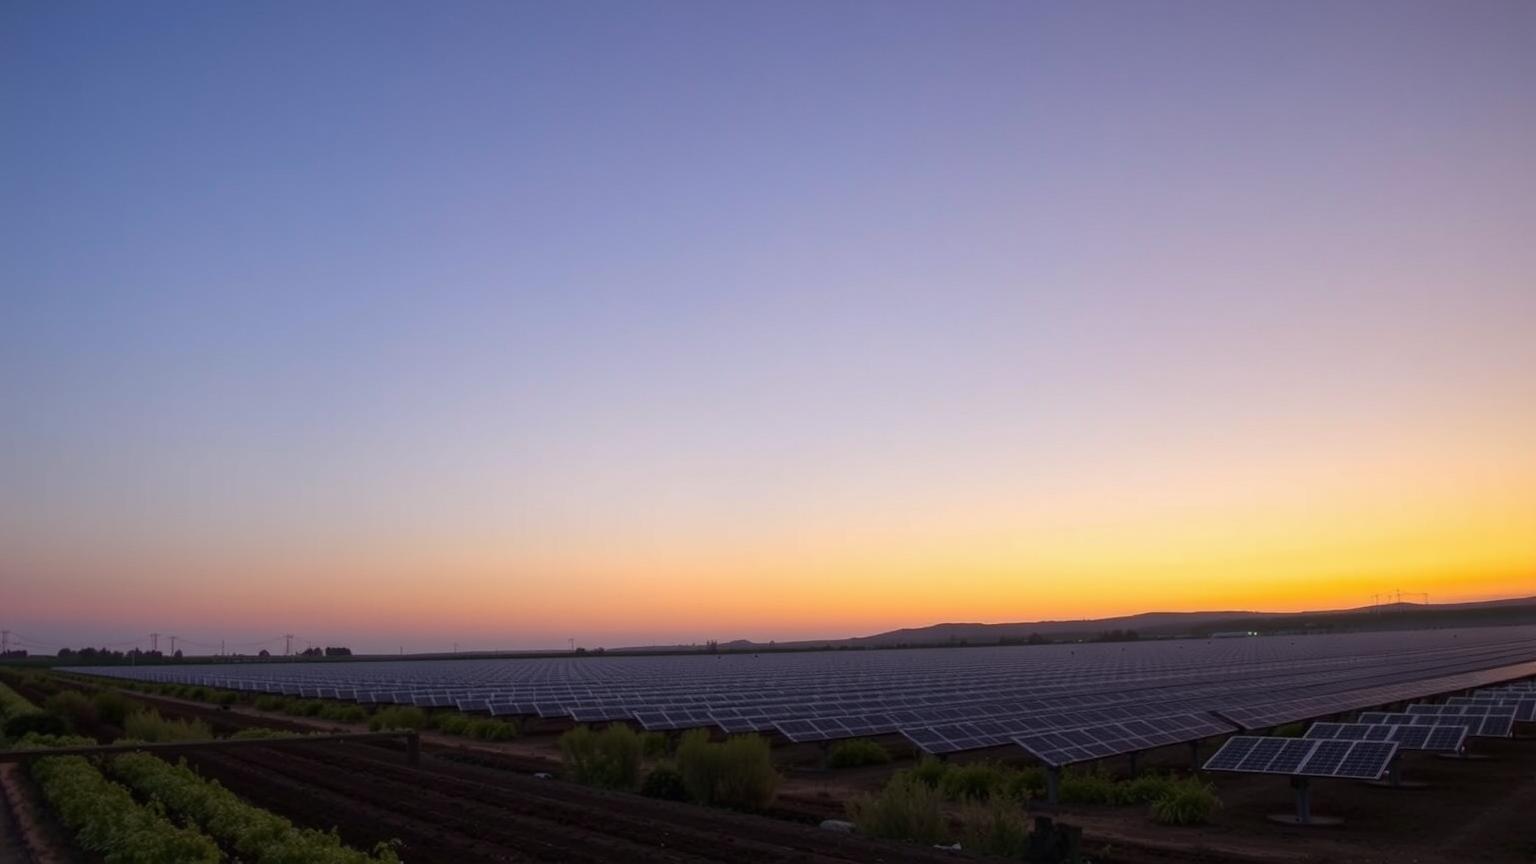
(1387, 616)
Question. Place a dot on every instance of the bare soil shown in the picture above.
(481, 803)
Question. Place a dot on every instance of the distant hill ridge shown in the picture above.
(1520, 610)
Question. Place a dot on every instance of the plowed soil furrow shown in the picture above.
(440, 814)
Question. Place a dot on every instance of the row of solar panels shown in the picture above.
(1061, 726)
(1437, 727)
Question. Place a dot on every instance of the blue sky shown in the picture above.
(598, 295)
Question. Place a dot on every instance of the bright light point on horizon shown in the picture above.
(662, 323)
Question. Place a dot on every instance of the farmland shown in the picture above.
(473, 800)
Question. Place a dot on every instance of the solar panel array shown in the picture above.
(1303, 757)
(1063, 703)
(1479, 725)
(1407, 736)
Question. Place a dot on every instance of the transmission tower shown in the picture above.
(154, 642)
(289, 637)
(5, 641)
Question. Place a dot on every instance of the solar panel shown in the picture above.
(1366, 759)
(1303, 757)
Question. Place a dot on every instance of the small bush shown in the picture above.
(111, 707)
(666, 783)
(974, 782)
(1088, 787)
(610, 758)
(929, 771)
(150, 726)
(343, 712)
(737, 773)
(398, 717)
(1025, 784)
(270, 703)
(22, 725)
(1189, 802)
(74, 707)
(304, 707)
(490, 729)
(451, 723)
(906, 809)
(856, 753)
(226, 697)
(653, 745)
(997, 829)
(1144, 789)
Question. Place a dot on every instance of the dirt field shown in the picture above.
(481, 803)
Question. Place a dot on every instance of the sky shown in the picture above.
(406, 326)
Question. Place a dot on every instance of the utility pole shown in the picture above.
(289, 649)
(154, 641)
(221, 647)
(5, 642)
(173, 646)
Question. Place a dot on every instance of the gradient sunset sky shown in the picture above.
(399, 325)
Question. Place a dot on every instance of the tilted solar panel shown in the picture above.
(1303, 757)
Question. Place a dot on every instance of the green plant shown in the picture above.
(342, 712)
(907, 808)
(996, 829)
(150, 726)
(260, 836)
(1189, 802)
(1092, 786)
(974, 782)
(929, 771)
(610, 758)
(304, 707)
(735, 773)
(398, 717)
(107, 820)
(666, 783)
(450, 723)
(38, 723)
(111, 707)
(490, 729)
(855, 753)
(653, 745)
(73, 707)
(270, 703)
(1025, 784)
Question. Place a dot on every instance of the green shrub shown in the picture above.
(226, 697)
(653, 745)
(1291, 730)
(304, 707)
(1093, 786)
(490, 729)
(856, 753)
(1144, 789)
(398, 717)
(1189, 802)
(996, 829)
(73, 707)
(610, 758)
(111, 707)
(150, 726)
(974, 782)
(906, 809)
(22, 725)
(342, 712)
(451, 723)
(270, 703)
(929, 771)
(1025, 784)
(737, 773)
(666, 783)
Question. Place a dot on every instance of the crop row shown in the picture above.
(258, 835)
(106, 819)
